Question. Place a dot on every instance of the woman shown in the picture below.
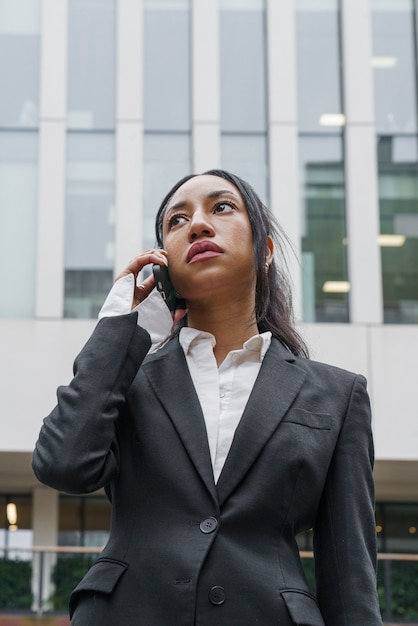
(219, 447)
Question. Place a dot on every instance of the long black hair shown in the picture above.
(273, 299)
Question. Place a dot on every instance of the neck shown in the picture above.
(231, 325)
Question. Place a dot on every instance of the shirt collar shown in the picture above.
(259, 343)
(191, 336)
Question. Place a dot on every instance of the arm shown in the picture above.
(77, 451)
(345, 532)
(126, 295)
(153, 313)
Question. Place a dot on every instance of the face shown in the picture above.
(207, 235)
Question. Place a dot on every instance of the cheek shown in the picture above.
(174, 252)
(173, 249)
(243, 238)
(170, 242)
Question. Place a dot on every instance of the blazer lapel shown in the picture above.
(277, 385)
(169, 375)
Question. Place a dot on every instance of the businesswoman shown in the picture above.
(221, 445)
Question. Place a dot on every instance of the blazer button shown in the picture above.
(217, 595)
(208, 525)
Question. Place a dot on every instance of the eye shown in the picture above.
(176, 219)
(224, 207)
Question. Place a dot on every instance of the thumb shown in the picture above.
(178, 314)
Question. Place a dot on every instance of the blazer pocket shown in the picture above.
(321, 421)
(302, 607)
(102, 577)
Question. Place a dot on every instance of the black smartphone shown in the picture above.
(166, 289)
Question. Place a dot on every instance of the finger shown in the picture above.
(178, 314)
(143, 290)
(140, 294)
(149, 283)
(158, 256)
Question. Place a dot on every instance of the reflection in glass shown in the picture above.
(321, 120)
(393, 65)
(243, 66)
(167, 65)
(243, 91)
(19, 63)
(89, 223)
(18, 219)
(83, 521)
(398, 195)
(15, 526)
(245, 155)
(91, 64)
(167, 158)
(318, 66)
(397, 527)
(167, 103)
(324, 264)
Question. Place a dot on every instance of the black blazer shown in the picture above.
(183, 551)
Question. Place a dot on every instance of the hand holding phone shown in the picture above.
(165, 287)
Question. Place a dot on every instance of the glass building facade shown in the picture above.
(89, 202)
(167, 150)
(19, 122)
(243, 91)
(167, 103)
(321, 150)
(395, 72)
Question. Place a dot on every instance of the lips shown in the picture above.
(203, 250)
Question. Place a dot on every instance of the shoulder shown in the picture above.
(337, 387)
(319, 368)
(326, 379)
(327, 389)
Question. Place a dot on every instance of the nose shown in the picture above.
(200, 226)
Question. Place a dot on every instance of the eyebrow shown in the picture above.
(212, 195)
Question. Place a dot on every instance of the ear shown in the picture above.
(270, 250)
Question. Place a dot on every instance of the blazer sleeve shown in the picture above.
(345, 529)
(77, 450)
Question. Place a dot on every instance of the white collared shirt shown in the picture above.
(223, 392)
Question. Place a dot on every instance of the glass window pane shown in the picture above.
(91, 64)
(167, 65)
(246, 156)
(321, 118)
(19, 62)
(318, 65)
(324, 265)
(18, 219)
(89, 223)
(69, 521)
(83, 521)
(243, 66)
(167, 158)
(397, 527)
(244, 91)
(394, 66)
(15, 525)
(398, 196)
(97, 512)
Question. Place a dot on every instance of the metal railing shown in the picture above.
(39, 580)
